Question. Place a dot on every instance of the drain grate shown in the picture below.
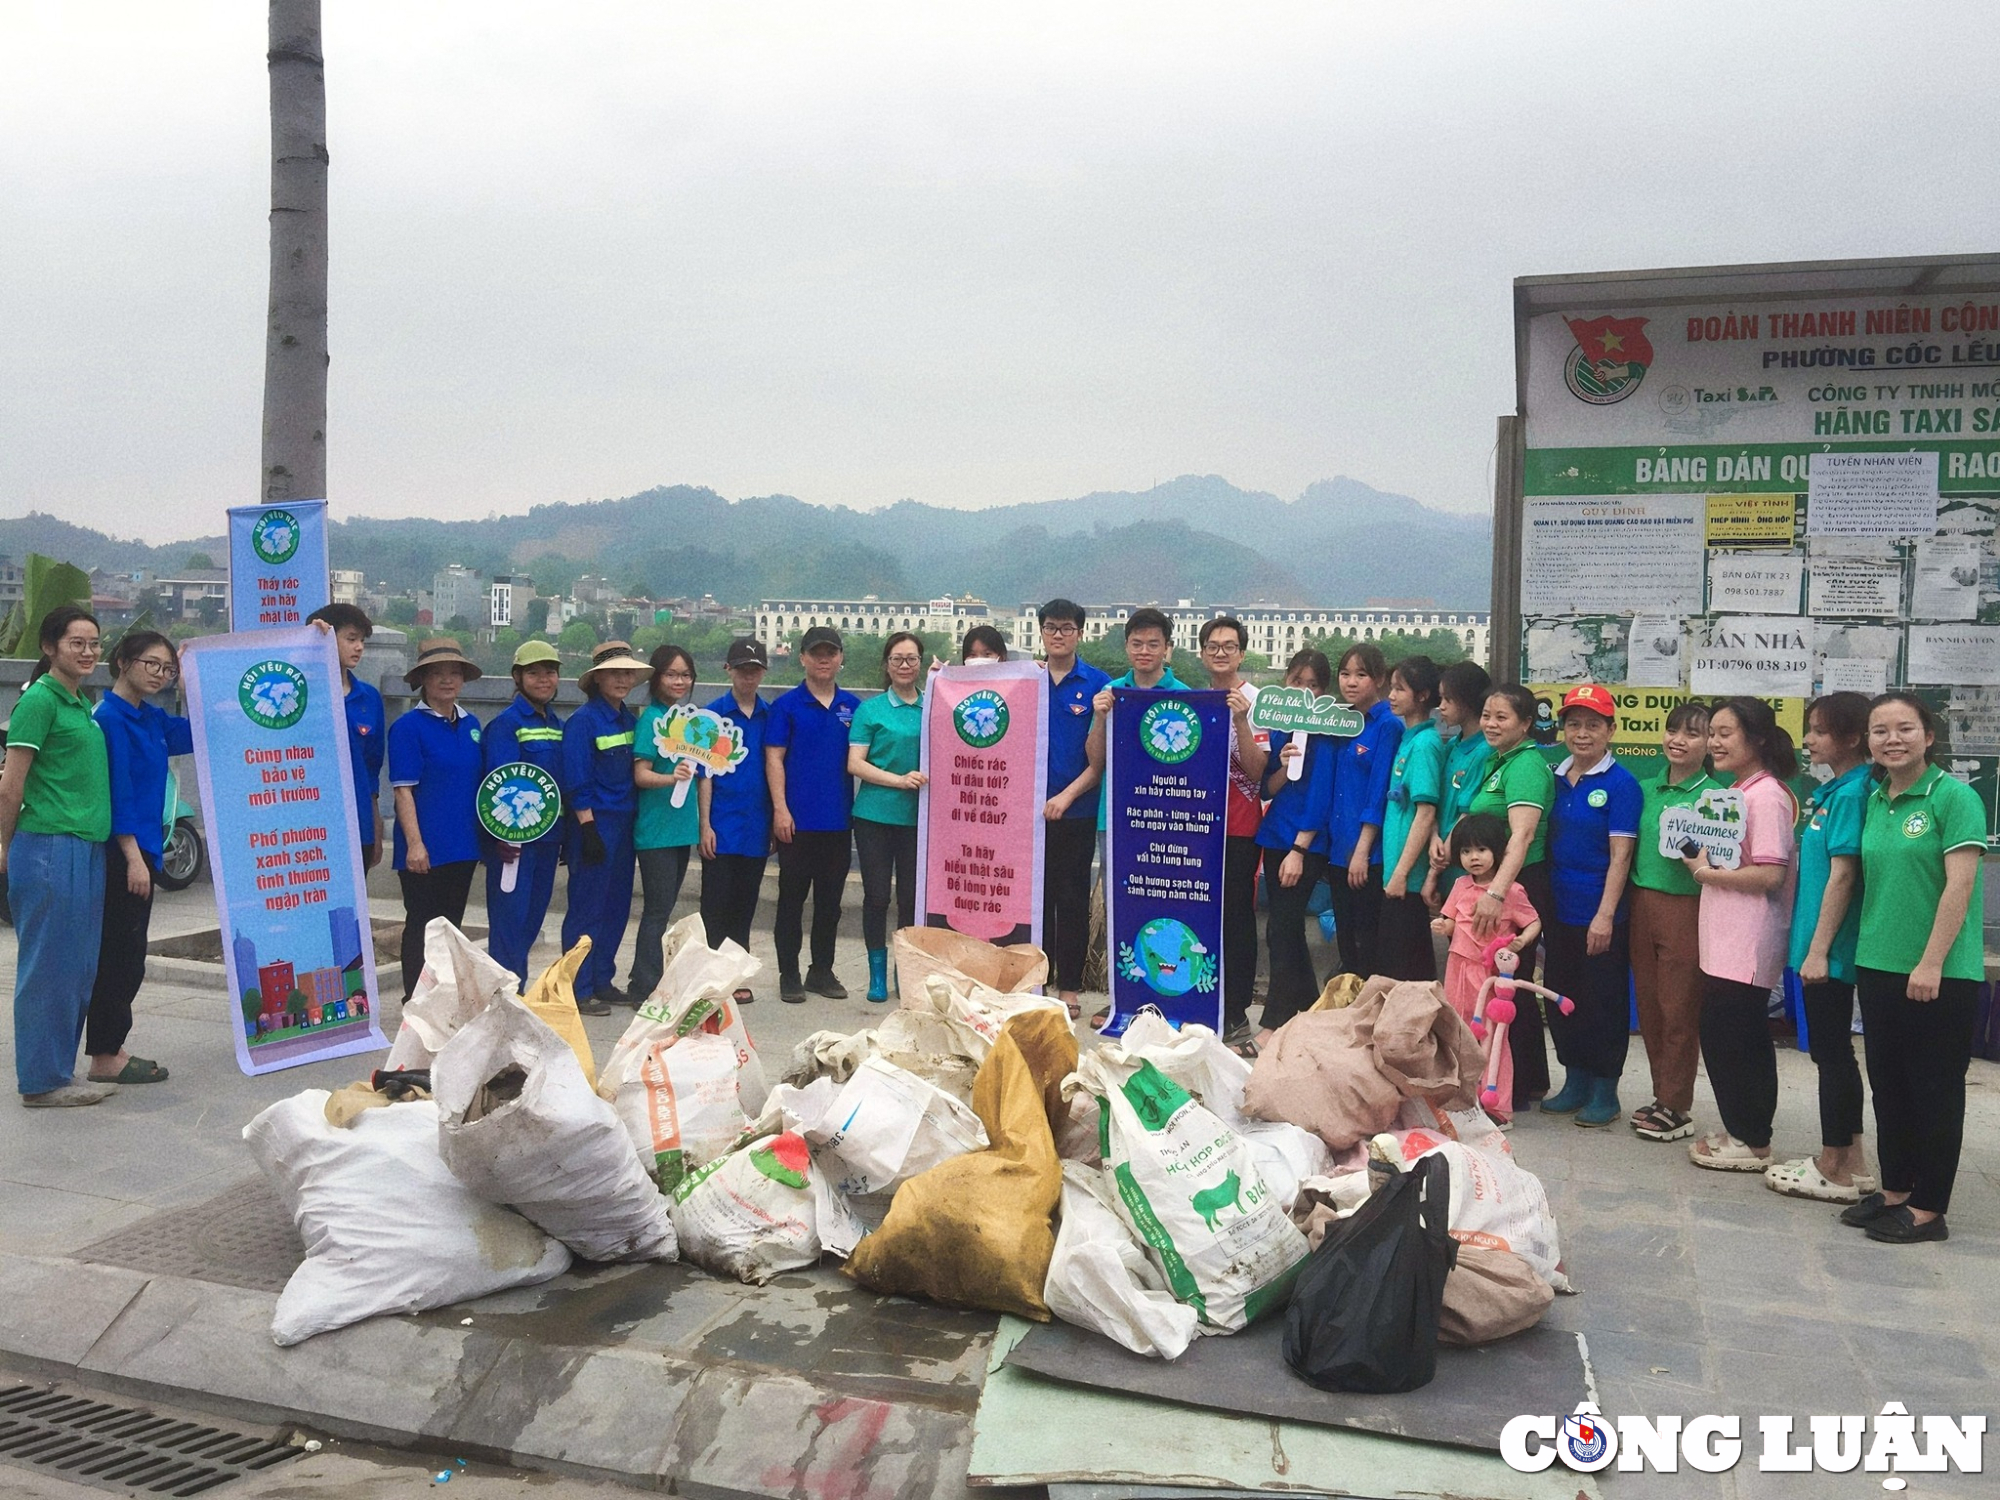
(241, 1237)
(122, 1448)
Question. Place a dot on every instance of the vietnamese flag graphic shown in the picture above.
(1612, 343)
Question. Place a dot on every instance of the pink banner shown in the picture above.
(979, 846)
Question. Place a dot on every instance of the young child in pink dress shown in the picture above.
(1477, 843)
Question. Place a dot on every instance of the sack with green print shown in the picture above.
(1190, 1188)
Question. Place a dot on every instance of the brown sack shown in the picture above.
(1319, 1072)
(1424, 1047)
(924, 951)
(978, 1230)
(1489, 1294)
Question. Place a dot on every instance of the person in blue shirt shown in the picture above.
(138, 741)
(1593, 837)
(1069, 820)
(597, 843)
(735, 809)
(1362, 766)
(1149, 646)
(367, 722)
(1293, 838)
(1403, 948)
(805, 761)
(1826, 924)
(435, 766)
(527, 729)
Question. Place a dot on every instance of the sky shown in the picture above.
(865, 252)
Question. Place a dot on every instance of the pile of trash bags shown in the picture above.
(1159, 1188)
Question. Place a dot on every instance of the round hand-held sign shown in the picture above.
(701, 735)
(518, 803)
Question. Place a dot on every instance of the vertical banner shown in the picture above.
(979, 816)
(277, 798)
(1165, 772)
(277, 564)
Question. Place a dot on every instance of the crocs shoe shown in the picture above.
(1803, 1179)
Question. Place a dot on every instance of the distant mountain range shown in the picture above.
(1340, 543)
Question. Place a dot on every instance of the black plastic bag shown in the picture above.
(1364, 1314)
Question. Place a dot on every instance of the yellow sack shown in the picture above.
(1341, 991)
(978, 1230)
(552, 997)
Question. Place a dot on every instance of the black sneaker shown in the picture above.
(612, 995)
(790, 990)
(1867, 1211)
(592, 1005)
(1899, 1226)
(822, 982)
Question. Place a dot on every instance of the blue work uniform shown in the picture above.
(739, 801)
(597, 777)
(818, 790)
(1069, 732)
(367, 748)
(520, 731)
(139, 739)
(438, 759)
(1362, 765)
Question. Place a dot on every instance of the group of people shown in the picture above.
(1441, 819)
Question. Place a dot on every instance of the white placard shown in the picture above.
(1872, 494)
(1953, 655)
(1588, 648)
(1612, 554)
(1854, 674)
(1947, 579)
(1713, 820)
(1972, 720)
(1764, 656)
(1845, 584)
(1653, 651)
(1767, 583)
(1842, 641)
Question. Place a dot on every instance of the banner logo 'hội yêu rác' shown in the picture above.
(518, 802)
(1170, 731)
(981, 718)
(275, 537)
(1611, 357)
(272, 694)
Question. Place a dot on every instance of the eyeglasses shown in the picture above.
(1059, 631)
(84, 648)
(1222, 648)
(906, 661)
(154, 664)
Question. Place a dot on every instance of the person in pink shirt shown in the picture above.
(1745, 931)
(1477, 842)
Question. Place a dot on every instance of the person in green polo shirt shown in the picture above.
(1520, 789)
(55, 816)
(882, 746)
(1918, 965)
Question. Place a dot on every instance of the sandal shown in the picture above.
(1658, 1123)
(1075, 1010)
(136, 1070)
(1803, 1179)
(1245, 1048)
(1724, 1153)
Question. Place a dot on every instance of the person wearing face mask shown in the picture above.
(1745, 926)
(1666, 955)
(1919, 959)
(600, 797)
(435, 767)
(55, 815)
(883, 745)
(1826, 920)
(1594, 828)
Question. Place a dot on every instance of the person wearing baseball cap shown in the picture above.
(527, 729)
(735, 809)
(1593, 836)
(805, 761)
(598, 794)
(435, 765)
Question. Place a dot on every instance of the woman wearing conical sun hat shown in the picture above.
(597, 844)
(435, 766)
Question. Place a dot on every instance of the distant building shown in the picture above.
(347, 586)
(778, 620)
(509, 599)
(593, 592)
(191, 592)
(14, 583)
(457, 591)
(1274, 632)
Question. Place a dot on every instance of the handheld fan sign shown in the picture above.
(701, 735)
(1297, 712)
(517, 804)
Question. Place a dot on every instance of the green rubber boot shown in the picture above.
(1574, 1095)
(878, 975)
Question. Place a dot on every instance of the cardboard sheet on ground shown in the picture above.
(1245, 1373)
(1035, 1431)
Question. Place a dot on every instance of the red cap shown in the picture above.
(1593, 696)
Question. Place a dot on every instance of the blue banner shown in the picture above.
(277, 564)
(1166, 774)
(277, 798)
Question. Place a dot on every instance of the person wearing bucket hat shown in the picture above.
(735, 809)
(1593, 838)
(597, 844)
(805, 760)
(527, 729)
(435, 766)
